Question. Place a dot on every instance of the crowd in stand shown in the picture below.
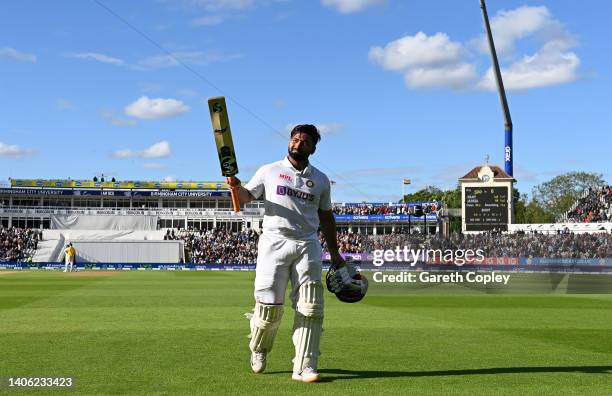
(221, 246)
(595, 207)
(368, 209)
(379, 209)
(564, 245)
(18, 244)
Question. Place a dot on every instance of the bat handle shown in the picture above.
(234, 192)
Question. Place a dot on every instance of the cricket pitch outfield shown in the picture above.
(169, 332)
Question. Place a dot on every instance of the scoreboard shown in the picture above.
(486, 208)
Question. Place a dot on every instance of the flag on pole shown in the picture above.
(406, 181)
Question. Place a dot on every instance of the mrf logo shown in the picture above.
(289, 192)
(286, 177)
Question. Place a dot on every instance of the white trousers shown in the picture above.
(280, 260)
(69, 263)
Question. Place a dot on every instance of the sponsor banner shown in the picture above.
(180, 193)
(129, 266)
(391, 205)
(566, 261)
(501, 261)
(33, 191)
(126, 212)
(112, 193)
(197, 185)
(401, 217)
(349, 256)
(507, 264)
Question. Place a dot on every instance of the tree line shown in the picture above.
(548, 201)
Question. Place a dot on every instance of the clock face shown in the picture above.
(485, 178)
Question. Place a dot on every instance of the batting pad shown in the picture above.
(264, 325)
(308, 326)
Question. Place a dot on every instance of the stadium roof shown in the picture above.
(498, 173)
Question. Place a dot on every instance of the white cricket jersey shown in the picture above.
(292, 198)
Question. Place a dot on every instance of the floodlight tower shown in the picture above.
(508, 153)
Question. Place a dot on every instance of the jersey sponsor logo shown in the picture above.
(290, 192)
(309, 183)
(286, 177)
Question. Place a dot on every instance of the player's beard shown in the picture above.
(297, 156)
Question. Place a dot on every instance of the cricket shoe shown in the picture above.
(258, 362)
(307, 375)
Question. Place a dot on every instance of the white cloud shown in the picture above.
(427, 61)
(12, 53)
(188, 57)
(150, 109)
(93, 56)
(219, 11)
(169, 179)
(157, 150)
(13, 151)
(458, 77)
(109, 116)
(438, 62)
(350, 6)
(419, 50)
(549, 66)
(126, 153)
(510, 26)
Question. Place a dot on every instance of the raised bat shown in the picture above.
(225, 145)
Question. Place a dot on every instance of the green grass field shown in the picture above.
(174, 333)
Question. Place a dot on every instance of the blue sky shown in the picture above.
(400, 89)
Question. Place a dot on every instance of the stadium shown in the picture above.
(157, 262)
(141, 256)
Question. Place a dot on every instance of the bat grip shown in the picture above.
(234, 192)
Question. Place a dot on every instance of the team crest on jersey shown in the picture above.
(309, 183)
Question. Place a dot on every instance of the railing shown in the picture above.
(38, 210)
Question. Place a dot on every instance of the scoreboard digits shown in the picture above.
(486, 208)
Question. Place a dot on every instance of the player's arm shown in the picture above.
(244, 195)
(328, 228)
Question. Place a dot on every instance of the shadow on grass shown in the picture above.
(329, 375)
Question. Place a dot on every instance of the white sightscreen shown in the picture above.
(128, 251)
(102, 222)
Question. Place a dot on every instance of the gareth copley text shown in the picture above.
(453, 277)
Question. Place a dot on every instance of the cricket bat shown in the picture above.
(225, 145)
